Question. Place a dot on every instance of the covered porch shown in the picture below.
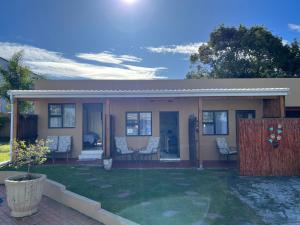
(83, 119)
(176, 119)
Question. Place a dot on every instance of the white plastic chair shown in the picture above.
(52, 144)
(224, 149)
(122, 147)
(152, 147)
(64, 145)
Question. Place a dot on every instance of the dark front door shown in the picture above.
(169, 135)
(242, 114)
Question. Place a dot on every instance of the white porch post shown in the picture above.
(11, 125)
(200, 153)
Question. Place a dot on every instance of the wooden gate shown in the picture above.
(269, 147)
(193, 137)
(27, 128)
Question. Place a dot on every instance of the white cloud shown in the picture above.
(108, 57)
(285, 42)
(295, 27)
(54, 64)
(186, 49)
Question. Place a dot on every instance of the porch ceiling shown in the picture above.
(149, 93)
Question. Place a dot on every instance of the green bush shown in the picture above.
(29, 154)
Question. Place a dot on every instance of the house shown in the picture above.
(95, 111)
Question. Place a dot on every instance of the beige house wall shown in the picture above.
(292, 100)
(208, 142)
(76, 133)
(184, 106)
(118, 108)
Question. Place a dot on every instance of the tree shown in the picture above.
(29, 154)
(16, 77)
(241, 52)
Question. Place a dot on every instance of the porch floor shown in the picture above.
(152, 164)
(123, 164)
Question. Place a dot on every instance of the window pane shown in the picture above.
(145, 123)
(55, 110)
(250, 115)
(55, 122)
(132, 127)
(132, 117)
(221, 122)
(208, 128)
(69, 115)
(208, 117)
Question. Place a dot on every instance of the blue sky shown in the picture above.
(128, 39)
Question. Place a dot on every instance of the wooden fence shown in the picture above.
(193, 140)
(4, 126)
(27, 128)
(269, 147)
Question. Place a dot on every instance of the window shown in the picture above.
(139, 124)
(215, 122)
(61, 115)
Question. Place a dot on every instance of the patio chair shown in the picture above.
(151, 149)
(52, 144)
(224, 149)
(122, 147)
(64, 145)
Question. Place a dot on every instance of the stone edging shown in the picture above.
(86, 206)
(4, 163)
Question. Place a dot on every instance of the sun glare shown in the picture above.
(129, 1)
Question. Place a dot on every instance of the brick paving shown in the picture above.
(50, 213)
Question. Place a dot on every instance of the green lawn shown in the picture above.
(4, 152)
(170, 196)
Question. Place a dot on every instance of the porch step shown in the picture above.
(90, 155)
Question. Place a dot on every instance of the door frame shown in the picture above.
(178, 135)
(102, 119)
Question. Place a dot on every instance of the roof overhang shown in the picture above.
(215, 92)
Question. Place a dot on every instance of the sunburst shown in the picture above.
(130, 2)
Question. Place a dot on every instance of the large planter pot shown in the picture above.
(23, 196)
(107, 163)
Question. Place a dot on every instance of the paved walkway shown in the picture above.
(275, 199)
(51, 213)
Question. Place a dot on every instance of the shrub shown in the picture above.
(29, 154)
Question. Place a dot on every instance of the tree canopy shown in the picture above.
(241, 52)
(16, 77)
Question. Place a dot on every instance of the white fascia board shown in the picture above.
(149, 93)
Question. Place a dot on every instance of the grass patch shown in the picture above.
(4, 152)
(153, 197)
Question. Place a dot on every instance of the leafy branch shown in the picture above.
(29, 154)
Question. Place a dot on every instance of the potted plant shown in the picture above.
(24, 192)
(107, 163)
